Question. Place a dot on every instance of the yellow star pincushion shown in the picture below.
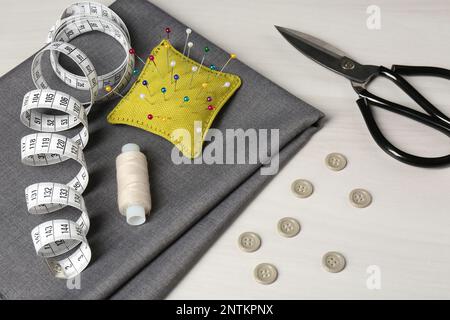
(175, 94)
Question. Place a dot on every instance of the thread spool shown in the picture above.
(133, 187)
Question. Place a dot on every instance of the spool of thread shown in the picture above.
(133, 187)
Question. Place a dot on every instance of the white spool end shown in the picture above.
(130, 147)
(135, 215)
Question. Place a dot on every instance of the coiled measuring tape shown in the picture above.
(62, 242)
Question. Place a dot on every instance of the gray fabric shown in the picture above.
(192, 204)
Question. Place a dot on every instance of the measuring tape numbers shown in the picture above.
(62, 242)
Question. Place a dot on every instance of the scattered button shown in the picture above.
(288, 227)
(265, 273)
(333, 262)
(249, 241)
(360, 198)
(336, 161)
(302, 188)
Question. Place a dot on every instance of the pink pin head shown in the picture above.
(210, 107)
(209, 99)
(151, 57)
(132, 51)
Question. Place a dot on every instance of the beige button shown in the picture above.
(336, 161)
(302, 188)
(333, 262)
(249, 241)
(265, 273)
(288, 227)
(360, 198)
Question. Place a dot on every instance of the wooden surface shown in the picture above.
(405, 232)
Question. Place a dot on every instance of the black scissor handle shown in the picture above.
(433, 118)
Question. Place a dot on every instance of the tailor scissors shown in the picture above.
(361, 75)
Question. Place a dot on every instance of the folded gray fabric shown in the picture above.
(192, 204)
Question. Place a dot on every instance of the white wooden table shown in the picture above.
(405, 232)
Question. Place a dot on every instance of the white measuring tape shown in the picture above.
(55, 238)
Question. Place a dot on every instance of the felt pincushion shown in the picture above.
(176, 98)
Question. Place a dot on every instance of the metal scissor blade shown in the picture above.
(328, 56)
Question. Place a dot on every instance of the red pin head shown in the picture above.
(168, 30)
(132, 51)
(151, 57)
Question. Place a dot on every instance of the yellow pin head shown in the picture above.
(204, 85)
(233, 56)
(108, 88)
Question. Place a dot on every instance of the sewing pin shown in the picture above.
(232, 56)
(152, 59)
(168, 32)
(164, 90)
(188, 33)
(175, 77)
(226, 85)
(135, 71)
(166, 45)
(210, 107)
(173, 63)
(206, 50)
(108, 88)
(194, 70)
(190, 45)
(132, 51)
(204, 86)
(185, 100)
(209, 99)
(212, 68)
(143, 97)
(145, 84)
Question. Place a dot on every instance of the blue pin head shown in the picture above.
(212, 67)
(163, 90)
(176, 77)
(145, 82)
(135, 71)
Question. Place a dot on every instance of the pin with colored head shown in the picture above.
(142, 96)
(209, 99)
(226, 85)
(146, 84)
(194, 70)
(232, 56)
(212, 68)
(185, 100)
(168, 31)
(167, 47)
(152, 59)
(133, 52)
(173, 63)
(210, 107)
(176, 78)
(109, 89)
(190, 45)
(163, 91)
(188, 33)
(205, 51)
(135, 71)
